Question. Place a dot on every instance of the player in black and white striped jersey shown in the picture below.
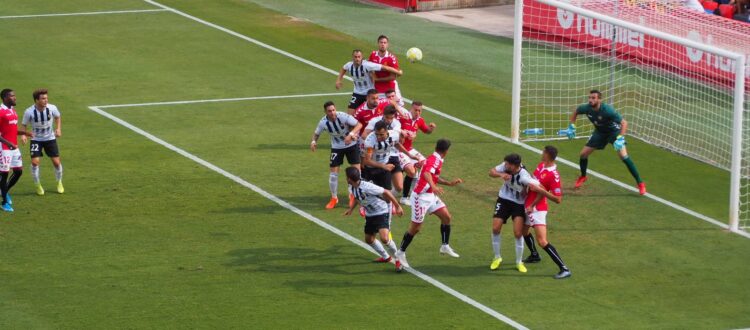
(40, 118)
(362, 73)
(375, 200)
(343, 130)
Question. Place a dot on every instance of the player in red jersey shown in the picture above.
(11, 156)
(385, 80)
(372, 108)
(536, 210)
(425, 201)
(410, 124)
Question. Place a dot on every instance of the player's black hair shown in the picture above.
(513, 159)
(389, 110)
(597, 92)
(327, 104)
(352, 173)
(442, 145)
(417, 103)
(356, 51)
(551, 152)
(5, 93)
(372, 91)
(390, 91)
(381, 125)
(382, 36)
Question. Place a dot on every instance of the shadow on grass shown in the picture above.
(476, 271)
(323, 268)
(333, 260)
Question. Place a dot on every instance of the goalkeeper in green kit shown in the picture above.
(609, 127)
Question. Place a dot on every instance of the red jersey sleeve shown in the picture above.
(422, 125)
(554, 184)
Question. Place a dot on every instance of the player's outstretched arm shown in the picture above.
(543, 192)
(495, 174)
(450, 183)
(395, 71)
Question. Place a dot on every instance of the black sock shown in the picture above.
(584, 162)
(406, 241)
(529, 239)
(4, 185)
(445, 233)
(555, 257)
(14, 178)
(407, 186)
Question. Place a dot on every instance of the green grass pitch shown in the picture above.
(146, 238)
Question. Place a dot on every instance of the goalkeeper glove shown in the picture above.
(619, 142)
(571, 131)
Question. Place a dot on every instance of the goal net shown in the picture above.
(671, 71)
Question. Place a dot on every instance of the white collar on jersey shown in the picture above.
(437, 155)
(551, 168)
(3, 106)
(387, 53)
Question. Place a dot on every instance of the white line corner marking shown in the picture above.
(285, 204)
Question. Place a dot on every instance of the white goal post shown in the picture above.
(677, 75)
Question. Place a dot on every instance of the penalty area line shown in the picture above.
(87, 13)
(306, 215)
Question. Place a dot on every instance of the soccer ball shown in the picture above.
(414, 54)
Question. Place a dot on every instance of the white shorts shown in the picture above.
(10, 159)
(405, 160)
(423, 205)
(536, 218)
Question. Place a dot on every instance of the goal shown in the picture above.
(677, 75)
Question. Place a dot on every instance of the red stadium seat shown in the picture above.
(710, 5)
(727, 11)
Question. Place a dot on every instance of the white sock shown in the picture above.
(379, 249)
(333, 183)
(496, 245)
(391, 245)
(519, 249)
(35, 173)
(58, 173)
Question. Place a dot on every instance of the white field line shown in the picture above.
(460, 121)
(86, 13)
(307, 216)
(219, 100)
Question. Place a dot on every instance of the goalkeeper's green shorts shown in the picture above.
(599, 140)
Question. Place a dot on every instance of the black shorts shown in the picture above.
(351, 153)
(357, 100)
(375, 223)
(396, 164)
(505, 209)
(378, 176)
(49, 148)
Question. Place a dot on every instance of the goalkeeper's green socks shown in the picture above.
(631, 167)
